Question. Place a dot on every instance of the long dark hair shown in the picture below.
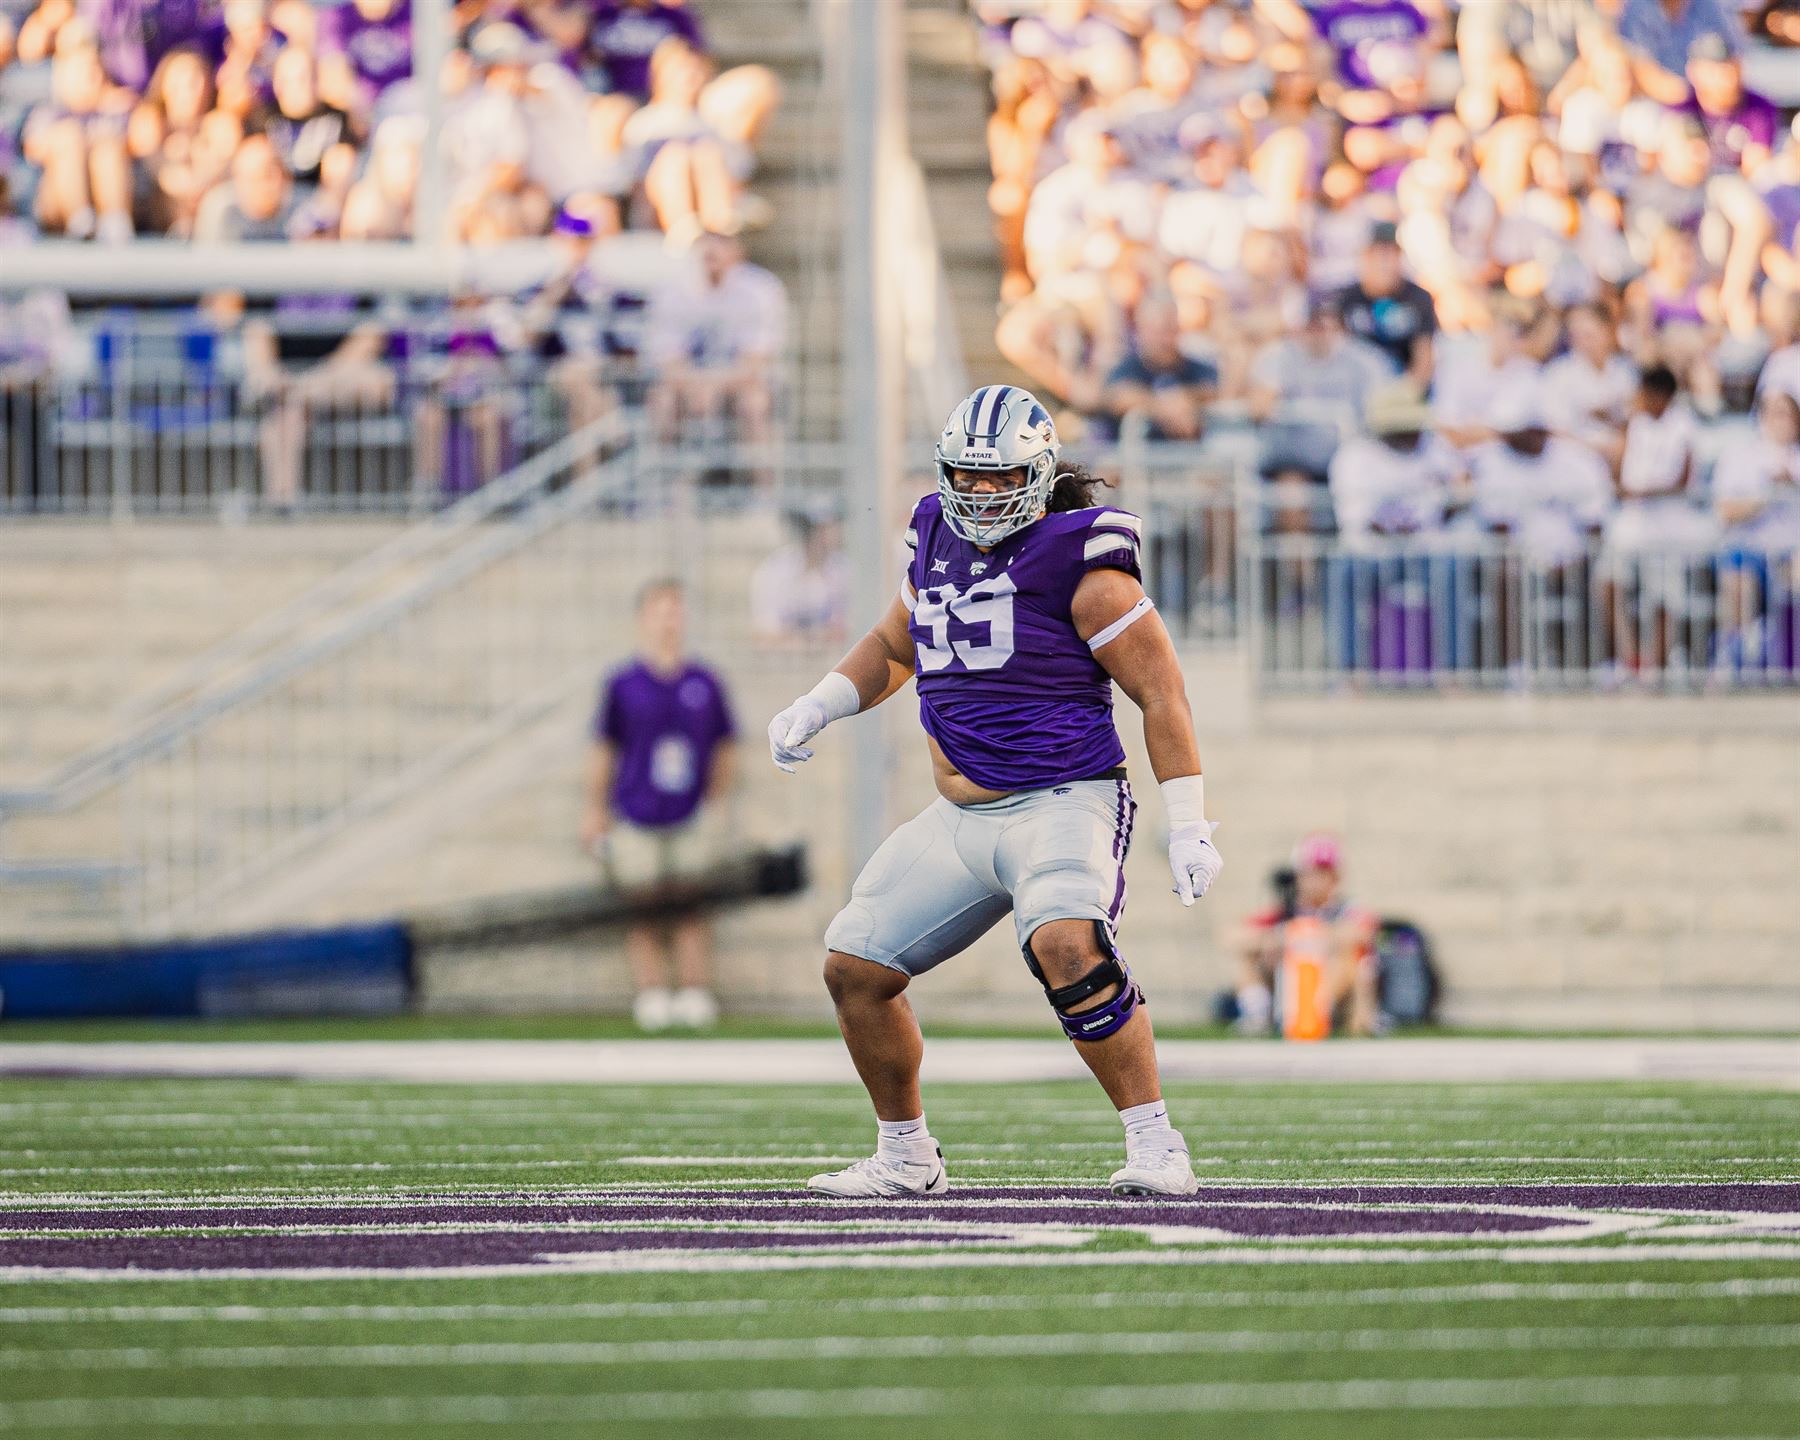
(1073, 488)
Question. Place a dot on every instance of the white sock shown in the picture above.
(903, 1139)
(1147, 1128)
(1255, 1005)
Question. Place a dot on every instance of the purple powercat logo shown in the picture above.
(714, 1229)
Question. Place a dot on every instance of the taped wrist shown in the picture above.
(837, 694)
(1184, 800)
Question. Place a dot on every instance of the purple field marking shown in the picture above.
(422, 1249)
(528, 1231)
(1240, 1219)
(1215, 1206)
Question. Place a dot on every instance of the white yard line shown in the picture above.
(1494, 1292)
(359, 1411)
(813, 1348)
(1774, 1063)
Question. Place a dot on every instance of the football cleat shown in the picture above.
(653, 1010)
(878, 1177)
(695, 1008)
(1156, 1172)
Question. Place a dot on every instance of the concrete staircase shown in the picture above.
(552, 613)
(796, 173)
(948, 99)
(947, 107)
(92, 615)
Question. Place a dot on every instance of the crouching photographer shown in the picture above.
(1311, 964)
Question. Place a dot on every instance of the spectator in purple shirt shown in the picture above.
(1363, 34)
(625, 34)
(77, 137)
(1741, 126)
(364, 47)
(246, 44)
(134, 35)
(662, 764)
(1662, 35)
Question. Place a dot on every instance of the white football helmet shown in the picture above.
(999, 427)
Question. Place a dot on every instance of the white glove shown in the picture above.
(1194, 860)
(832, 698)
(792, 728)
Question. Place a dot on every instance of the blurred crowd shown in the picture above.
(229, 120)
(1520, 266)
(1207, 195)
(284, 121)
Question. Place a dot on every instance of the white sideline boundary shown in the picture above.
(1771, 1063)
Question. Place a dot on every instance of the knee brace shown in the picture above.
(1102, 1020)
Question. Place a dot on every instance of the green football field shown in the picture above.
(261, 1257)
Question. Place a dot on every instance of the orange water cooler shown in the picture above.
(1305, 993)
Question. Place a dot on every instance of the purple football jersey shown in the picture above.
(665, 730)
(1006, 686)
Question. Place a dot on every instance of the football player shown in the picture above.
(1021, 605)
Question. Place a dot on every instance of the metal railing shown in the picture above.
(145, 438)
(339, 724)
(363, 582)
(159, 439)
(1195, 501)
(1474, 612)
(432, 647)
(937, 370)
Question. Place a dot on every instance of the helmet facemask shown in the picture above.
(1002, 429)
(987, 518)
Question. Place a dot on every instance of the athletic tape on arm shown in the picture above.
(1122, 624)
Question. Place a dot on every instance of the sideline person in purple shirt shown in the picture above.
(662, 762)
(625, 33)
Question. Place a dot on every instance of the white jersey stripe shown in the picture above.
(912, 538)
(1106, 544)
(1122, 624)
(1118, 520)
(908, 596)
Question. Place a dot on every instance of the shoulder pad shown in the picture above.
(1106, 517)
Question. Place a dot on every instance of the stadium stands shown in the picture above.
(1506, 204)
(286, 120)
(1286, 574)
(300, 124)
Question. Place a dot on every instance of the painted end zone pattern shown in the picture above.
(704, 1229)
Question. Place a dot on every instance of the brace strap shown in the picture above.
(1104, 1019)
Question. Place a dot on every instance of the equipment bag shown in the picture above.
(1406, 975)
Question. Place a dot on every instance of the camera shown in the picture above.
(1285, 882)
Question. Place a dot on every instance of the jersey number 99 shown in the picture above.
(985, 604)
